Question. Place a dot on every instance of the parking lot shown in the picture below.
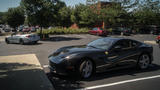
(128, 79)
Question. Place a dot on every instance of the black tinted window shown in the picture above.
(123, 44)
(134, 43)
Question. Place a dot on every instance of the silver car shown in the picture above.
(22, 39)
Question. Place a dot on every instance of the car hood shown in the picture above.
(75, 49)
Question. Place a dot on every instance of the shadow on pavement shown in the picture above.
(68, 82)
(16, 76)
(71, 82)
(33, 43)
(27, 43)
(121, 72)
(61, 38)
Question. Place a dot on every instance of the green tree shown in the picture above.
(147, 13)
(2, 18)
(88, 17)
(117, 13)
(15, 17)
(39, 12)
(83, 15)
(75, 16)
(42, 12)
(56, 20)
(65, 16)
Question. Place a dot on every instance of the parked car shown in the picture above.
(20, 28)
(22, 39)
(120, 30)
(127, 31)
(14, 29)
(158, 40)
(117, 31)
(33, 29)
(101, 55)
(7, 29)
(26, 29)
(98, 31)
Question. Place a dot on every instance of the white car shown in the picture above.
(22, 39)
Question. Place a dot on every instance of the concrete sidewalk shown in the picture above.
(2, 38)
(22, 72)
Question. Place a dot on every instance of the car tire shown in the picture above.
(35, 42)
(21, 42)
(86, 69)
(144, 61)
(7, 41)
(159, 44)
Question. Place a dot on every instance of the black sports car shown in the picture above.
(100, 55)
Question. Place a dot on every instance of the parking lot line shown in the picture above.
(121, 82)
(45, 66)
(25, 58)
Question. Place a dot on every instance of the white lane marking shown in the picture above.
(45, 66)
(121, 82)
(150, 42)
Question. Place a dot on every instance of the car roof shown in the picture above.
(113, 38)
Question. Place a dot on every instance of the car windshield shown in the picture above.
(103, 43)
(95, 28)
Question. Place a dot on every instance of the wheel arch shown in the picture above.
(88, 58)
(148, 53)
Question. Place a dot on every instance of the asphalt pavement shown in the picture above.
(114, 80)
(22, 72)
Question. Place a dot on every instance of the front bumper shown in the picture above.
(62, 68)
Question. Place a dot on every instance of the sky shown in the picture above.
(5, 4)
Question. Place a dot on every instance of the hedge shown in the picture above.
(64, 31)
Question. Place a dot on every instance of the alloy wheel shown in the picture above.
(144, 61)
(87, 68)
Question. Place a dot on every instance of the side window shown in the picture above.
(95, 29)
(134, 43)
(124, 44)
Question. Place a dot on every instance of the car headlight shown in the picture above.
(71, 56)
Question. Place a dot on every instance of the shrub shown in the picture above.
(64, 31)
